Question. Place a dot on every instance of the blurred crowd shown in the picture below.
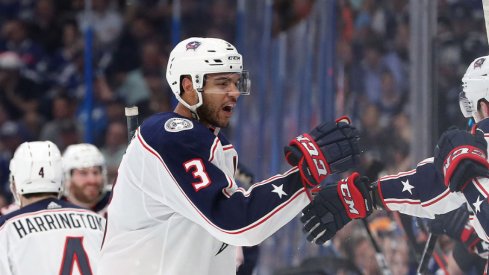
(43, 92)
(42, 72)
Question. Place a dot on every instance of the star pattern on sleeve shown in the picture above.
(279, 190)
(406, 186)
(477, 205)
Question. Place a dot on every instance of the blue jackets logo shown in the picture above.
(177, 124)
(192, 45)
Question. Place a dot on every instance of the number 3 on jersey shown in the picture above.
(196, 166)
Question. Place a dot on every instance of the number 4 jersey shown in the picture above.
(50, 237)
(176, 208)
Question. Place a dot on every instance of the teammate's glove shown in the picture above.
(329, 148)
(461, 156)
(336, 205)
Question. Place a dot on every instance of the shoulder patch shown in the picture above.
(178, 124)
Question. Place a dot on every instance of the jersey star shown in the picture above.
(477, 204)
(406, 186)
(485, 246)
(279, 190)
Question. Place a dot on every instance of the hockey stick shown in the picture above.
(485, 7)
(372, 173)
(132, 114)
(428, 250)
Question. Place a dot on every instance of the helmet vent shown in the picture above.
(211, 51)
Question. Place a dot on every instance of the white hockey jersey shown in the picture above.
(50, 237)
(421, 192)
(176, 208)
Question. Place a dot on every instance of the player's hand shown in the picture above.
(329, 148)
(460, 156)
(336, 205)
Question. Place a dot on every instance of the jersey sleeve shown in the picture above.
(419, 192)
(476, 193)
(203, 190)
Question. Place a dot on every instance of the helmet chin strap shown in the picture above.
(193, 108)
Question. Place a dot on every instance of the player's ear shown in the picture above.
(483, 108)
(187, 84)
(188, 93)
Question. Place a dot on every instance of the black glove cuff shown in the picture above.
(374, 194)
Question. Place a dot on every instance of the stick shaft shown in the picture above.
(485, 6)
(132, 114)
(427, 252)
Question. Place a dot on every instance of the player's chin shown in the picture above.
(223, 121)
(92, 193)
(222, 124)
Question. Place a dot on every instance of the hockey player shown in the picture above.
(457, 174)
(176, 208)
(46, 235)
(85, 175)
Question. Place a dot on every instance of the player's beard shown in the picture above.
(86, 194)
(210, 115)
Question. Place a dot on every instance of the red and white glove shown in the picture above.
(335, 205)
(460, 156)
(329, 148)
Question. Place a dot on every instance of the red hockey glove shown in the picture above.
(328, 148)
(336, 205)
(460, 157)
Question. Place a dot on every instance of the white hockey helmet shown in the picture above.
(36, 168)
(198, 56)
(475, 84)
(83, 155)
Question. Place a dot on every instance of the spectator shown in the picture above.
(16, 38)
(114, 148)
(69, 133)
(360, 250)
(106, 22)
(390, 97)
(18, 94)
(115, 110)
(12, 134)
(125, 59)
(44, 26)
(71, 47)
(372, 69)
(135, 89)
(62, 108)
